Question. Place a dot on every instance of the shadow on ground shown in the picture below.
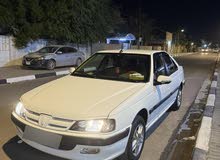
(22, 151)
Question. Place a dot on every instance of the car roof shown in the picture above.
(132, 51)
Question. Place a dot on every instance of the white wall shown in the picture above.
(8, 52)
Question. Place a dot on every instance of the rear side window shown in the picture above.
(71, 50)
(171, 66)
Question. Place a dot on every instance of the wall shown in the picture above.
(10, 55)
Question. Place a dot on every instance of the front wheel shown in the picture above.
(51, 64)
(136, 140)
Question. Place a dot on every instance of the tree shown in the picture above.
(141, 26)
(79, 21)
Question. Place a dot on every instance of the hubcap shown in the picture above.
(138, 140)
(179, 98)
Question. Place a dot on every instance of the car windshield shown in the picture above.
(113, 66)
(48, 50)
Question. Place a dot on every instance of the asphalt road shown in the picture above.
(197, 67)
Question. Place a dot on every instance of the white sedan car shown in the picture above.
(104, 108)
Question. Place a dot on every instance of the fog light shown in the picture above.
(90, 151)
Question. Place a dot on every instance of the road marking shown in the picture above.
(204, 134)
(19, 79)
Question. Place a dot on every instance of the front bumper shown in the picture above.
(71, 146)
(35, 63)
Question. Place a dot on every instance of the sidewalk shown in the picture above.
(214, 142)
(19, 73)
(208, 141)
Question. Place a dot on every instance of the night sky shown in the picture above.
(199, 18)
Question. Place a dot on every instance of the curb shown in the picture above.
(33, 77)
(202, 143)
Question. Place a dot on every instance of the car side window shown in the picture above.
(159, 67)
(171, 66)
(71, 50)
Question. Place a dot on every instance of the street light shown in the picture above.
(178, 35)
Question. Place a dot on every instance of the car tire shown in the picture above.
(51, 64)
(136, 140)
(78, 62)
(176, 105)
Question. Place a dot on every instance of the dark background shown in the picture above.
(199, 18)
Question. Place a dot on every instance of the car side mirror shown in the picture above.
(162, 80)
(59, 52)
(72, 69)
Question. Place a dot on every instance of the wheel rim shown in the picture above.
(179, 98)
(138, 140)
(51, 65)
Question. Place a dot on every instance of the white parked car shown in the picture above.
(50, 57)
(104, 108)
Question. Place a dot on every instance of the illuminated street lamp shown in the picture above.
(178, 35)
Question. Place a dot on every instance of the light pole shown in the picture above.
(178, 37)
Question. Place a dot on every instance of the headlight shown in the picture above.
(41, 58)
(20, 110)
(102, 125)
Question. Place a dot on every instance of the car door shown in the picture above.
(63, 57)
(160, 92)
(172, 72)
(73, 55)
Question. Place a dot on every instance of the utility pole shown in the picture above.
(139, 12)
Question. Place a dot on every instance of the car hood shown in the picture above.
(79, 98)
(37, 54)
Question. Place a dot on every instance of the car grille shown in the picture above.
(53, 123)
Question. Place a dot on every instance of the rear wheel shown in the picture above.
(78, 62)
(51, 64)
(176, 105)
(136, 140)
